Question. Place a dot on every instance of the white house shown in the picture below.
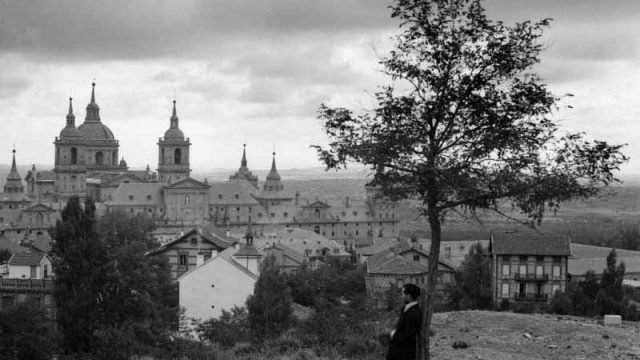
(221, 282)
(29, 265)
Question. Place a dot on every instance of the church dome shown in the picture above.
(174, 134)
(70, 132)
(95, 131)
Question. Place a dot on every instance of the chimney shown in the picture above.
(347, 202)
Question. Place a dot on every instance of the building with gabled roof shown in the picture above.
(193, 248)
(388, 268)
(527, 266)
(29, 265)
(219, 283)
(288, 259)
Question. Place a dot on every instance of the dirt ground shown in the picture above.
(503, 335)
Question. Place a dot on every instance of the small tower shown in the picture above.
(243, 173)
(13, 185)
(273, 183)
(248, 255)
(173, 153)
(69, 165)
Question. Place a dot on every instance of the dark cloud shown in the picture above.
(79, 29)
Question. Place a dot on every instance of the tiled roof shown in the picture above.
(232, 193)
(6, 243)
(26, 259)
(286, 251)
(137, 194)
(391, 263)
(208, 233)
(247, 251)
(225, 255)
(530, 244)
(377, 247)
(188, 183)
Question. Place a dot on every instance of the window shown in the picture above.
(316, 229)
(285, 214)
(74, 156)
(505, 270)
(557, 259)
(539, 258)
(237, 196)
(194, 241)
(523, 258)
(238, 209)
(182, 260)
(523, 270)
(177, 156)
(99, 158)
(219, 196)
(556, 271)
(416, 257)
(148, 197)
(539, 271)
(130, 197)
(505, 290)
(355, 213)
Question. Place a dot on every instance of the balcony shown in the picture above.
(531, 297)
(26, 285)
(532, 277)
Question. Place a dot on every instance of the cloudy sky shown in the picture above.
(255, 72)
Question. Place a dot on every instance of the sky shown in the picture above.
(255, 72)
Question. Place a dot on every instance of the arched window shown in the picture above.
(39, 218)
(316, 229)
(74, 156)
(99, 158)
(177, 156)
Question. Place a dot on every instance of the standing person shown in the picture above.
(404, 338)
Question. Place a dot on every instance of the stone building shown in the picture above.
(528, 267)
(86, 165)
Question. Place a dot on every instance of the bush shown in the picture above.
(505, 305)
(226, 331)
(561, 304)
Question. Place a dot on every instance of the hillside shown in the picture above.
(503, 335)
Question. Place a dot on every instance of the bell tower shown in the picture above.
(173, 153)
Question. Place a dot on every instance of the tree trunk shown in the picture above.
(429, 298)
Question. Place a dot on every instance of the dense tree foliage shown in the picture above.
(79, 261)
(227, 330)
(269, 306)
(466, 124)
(112, 300)
(26, 333)
(472, 288)
(5, 255)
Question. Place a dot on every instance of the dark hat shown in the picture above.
(412, 289)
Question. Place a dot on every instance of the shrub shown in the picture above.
(561, 304)
(226, 331)
(505, 305)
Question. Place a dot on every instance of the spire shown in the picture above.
(174, 117)
(71, 119)
(243, 162)
(273, 174)
(93, 110)
(14, 181)
(13, 162)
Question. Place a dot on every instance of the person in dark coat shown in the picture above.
(404, 339)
